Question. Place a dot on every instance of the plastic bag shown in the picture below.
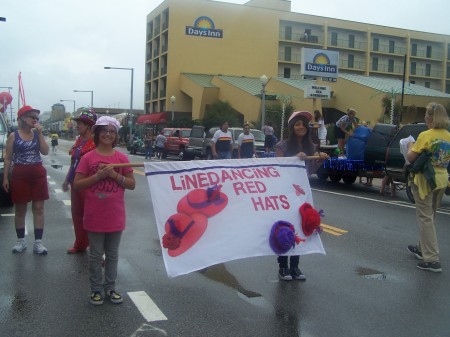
(404, 147)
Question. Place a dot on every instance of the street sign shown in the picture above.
(318, 91)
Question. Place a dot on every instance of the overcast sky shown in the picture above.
(62, 45)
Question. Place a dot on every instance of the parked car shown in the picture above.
(5, 198)
(200, 141)
(177, 140)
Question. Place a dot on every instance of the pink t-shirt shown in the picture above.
(104, 206)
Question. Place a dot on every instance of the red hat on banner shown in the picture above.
(208, 202)
(310, 218)
(182, 232)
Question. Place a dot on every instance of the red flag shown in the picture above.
(21, 91)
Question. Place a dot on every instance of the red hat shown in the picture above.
(182, 232)
(208, 202)
(25, 109)
(87, 116)
(310, 219)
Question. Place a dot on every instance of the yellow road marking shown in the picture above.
(333, 230)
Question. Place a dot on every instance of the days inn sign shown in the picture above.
(204, 26)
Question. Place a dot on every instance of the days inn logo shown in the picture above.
(204, 26)
(321, 63)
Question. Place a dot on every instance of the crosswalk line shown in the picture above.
(146, 306)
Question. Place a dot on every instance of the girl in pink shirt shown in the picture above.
(104, 209)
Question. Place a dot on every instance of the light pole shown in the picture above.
(172, 100)
(131, 96)
(92, 95)
(264, 81)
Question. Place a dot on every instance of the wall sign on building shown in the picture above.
(318, 91)
(204, 26)
(319, 63)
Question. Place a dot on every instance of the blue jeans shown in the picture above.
(224, 154)
(109, 244)
(148, 152)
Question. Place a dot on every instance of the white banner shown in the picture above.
(212, 211)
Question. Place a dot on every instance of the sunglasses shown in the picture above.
(34, 117)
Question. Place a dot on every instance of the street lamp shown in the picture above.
(92, 95)
(264, 81)
(131, 96)
(172, 100)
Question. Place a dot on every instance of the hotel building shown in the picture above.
(201, 51)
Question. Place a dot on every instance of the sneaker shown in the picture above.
(414, 250)
(96, 298)
(20, 246)
(284, 274)
(297, 274)
(38, 248)
(114, 297)
(435, 267)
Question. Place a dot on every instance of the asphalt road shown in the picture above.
(367, 284)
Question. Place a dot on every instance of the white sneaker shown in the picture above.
(38, 248)
(20, 246)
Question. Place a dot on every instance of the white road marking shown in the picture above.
(51, 183)
(58, 190)
(146, 306)
(7, 214)
(67, 202)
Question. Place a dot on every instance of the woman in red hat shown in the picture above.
(28, 180)
(298, 144)
(83, 145)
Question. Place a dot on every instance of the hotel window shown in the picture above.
(351, 41)
(391, 66)
(288, 33)
(414, 49)
(287, 73)
(375, 64)
(287, 53)
(429, 51)
(334, 38)
(351, 60)
(392, 47)
(412, 82)
(413, 68)
(428, 69)
(427, 84)
(376, 44)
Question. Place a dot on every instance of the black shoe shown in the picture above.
(284, 274)
(414, 250)
(297, 274)
(435, 267)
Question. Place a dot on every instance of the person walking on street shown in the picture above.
(148, 146)
(160, 143)
(246, 143)
(104, 209)
(28, 181)
(222, 142)
(268, 136)
(298, 144)
(432, 147)
(83, 144)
